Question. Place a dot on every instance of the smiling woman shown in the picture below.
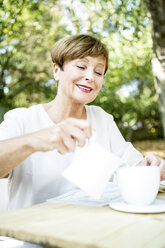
(37, 144)
(80, 80)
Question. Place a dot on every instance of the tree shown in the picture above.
(28, 30)
(157, 13)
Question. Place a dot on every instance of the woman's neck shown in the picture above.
(60, 110)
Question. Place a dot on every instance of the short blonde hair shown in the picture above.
(78, 46)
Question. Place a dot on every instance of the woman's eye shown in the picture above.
(98, 73)
(81, 67)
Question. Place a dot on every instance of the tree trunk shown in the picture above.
(157, 12)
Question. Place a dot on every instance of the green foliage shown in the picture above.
(28, 30)
(26, 41)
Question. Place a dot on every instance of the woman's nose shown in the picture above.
(89, 75)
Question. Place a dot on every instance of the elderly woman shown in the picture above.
(38, 143)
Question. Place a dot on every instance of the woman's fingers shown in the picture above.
(77, 131)
(69, 144)
(63, 136)
(162, 170)
(82, 125)
(153, 160)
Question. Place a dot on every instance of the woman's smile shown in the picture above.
(84, 88)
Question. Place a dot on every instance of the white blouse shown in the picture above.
(39, 177)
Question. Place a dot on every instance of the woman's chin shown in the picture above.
(84, 102)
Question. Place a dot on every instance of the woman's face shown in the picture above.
(81, 79)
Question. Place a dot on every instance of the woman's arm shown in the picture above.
(63, 136)
(13, 152)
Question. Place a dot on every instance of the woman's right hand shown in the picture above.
(63, 136)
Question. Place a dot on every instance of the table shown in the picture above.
(72, 226)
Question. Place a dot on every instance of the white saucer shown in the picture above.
(158, 206)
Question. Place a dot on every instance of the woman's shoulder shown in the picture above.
(98, 112)
(22, 120)
(21, 112)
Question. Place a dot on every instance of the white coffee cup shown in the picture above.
(139, 185)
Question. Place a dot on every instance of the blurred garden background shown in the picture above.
(132, 93)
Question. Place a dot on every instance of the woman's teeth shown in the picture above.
(84, 88)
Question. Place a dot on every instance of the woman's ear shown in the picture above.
(56, 70)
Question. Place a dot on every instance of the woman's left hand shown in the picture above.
(151, 159)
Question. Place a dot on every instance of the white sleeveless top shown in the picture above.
(39, 177)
